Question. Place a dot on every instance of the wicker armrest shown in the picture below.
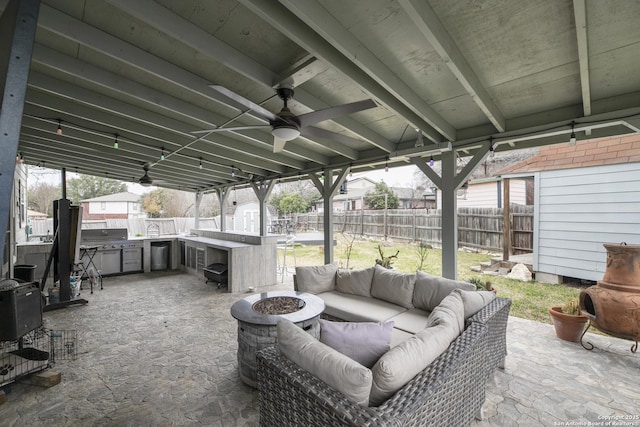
(495, 316)
(449, 391)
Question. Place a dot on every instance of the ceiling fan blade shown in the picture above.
(321, 133)
(278, 145)
(231, 129)
(266, 114)
(334, 112)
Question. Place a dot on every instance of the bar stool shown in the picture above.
(289, 245)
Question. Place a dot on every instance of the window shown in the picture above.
(134, 207)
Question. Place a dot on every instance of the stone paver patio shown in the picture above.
(159, 349)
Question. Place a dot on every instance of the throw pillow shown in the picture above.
(364, 342)
(394, 287)
(334, 368)
(474, 301)
(316, 279)
(355, 282)
(431, 290)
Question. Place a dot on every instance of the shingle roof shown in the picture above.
(592, 152)
(117, 197)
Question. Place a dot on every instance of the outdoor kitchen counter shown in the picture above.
(251, 260)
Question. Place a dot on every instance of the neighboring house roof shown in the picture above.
(403, 193)
(592, 152)
(35, 214)
(117, 197)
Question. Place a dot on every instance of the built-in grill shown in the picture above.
(613, 304)
(114, 252)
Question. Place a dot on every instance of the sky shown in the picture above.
(402, 176)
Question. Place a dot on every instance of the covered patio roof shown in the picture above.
(463, 72)
(128, 82)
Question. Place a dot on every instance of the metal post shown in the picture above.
(449, 216)
(18, 23)
(63, 183)
(223, 193)
(196, 214)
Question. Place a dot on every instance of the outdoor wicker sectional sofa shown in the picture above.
(449, 391)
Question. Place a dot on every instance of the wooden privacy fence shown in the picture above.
(479, 228)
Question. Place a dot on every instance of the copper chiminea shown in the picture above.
(613, 304)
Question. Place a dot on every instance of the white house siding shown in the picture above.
(132, 209)
(578, 210)
(487, 194)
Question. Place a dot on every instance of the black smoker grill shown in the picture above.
(218, 273)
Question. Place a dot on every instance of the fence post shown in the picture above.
(414, 226)
(385, 217)
(506, 222)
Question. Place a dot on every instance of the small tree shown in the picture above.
(293, 203)
(42, 195)
(381, 197)
(153, 203)
(88, 187)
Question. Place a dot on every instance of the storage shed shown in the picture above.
(586, 195)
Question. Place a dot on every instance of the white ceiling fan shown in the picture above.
(285, 125)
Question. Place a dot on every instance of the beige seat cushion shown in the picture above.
(403, 362)
(334, 368)
(356, 308)
(354, 282)
(316, 279)
(394, 287)
(399, 336)
(430, 290)
(412, 321)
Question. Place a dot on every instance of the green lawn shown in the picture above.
(531, 300)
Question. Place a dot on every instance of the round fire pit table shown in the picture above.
(258, 316)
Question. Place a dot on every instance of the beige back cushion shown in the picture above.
(334, 368)
(393, 287)
(473, 301)
(403, 362)
(316, 279)
(355, 282)
(430, 290)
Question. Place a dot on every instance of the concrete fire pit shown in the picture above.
(258, 316)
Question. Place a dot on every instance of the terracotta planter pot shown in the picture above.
(569, 327)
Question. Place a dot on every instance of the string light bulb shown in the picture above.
(59, 130)
(200, 164)
(431, 162)
(233, 172)
(572, 138)
(162, 153)
(386, 165)
(115, 143)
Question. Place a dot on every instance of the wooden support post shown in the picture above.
(506, 222)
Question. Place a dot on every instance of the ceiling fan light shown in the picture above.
(285, 133)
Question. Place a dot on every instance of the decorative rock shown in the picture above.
(520, 272)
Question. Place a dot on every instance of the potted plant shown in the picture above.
(568, 321)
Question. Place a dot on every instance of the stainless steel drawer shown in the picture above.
(132, 265)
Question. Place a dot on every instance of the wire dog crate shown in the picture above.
(35, 351)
